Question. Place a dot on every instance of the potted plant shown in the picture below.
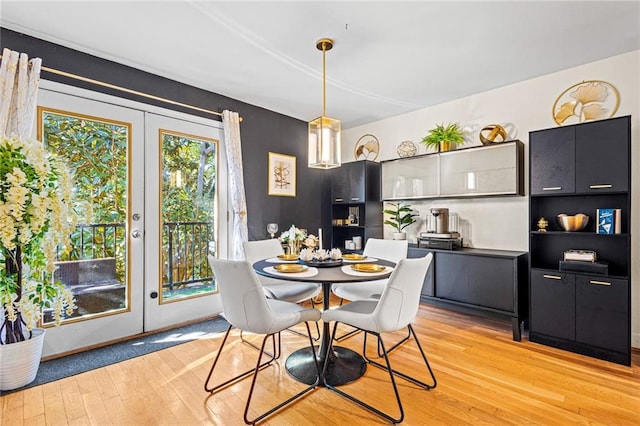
(443, 136)
(401, 217)
(36, 217)
(293, 237)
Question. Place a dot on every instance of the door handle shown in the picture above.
(599, 282)
(600, 186)
(136, 233)
(552, 277)
(552, 188)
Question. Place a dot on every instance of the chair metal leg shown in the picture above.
(259, 366)
(240, 376)
(395, 346)
(276, 353)
(302, 334)
(398, 373)
(289, 400)
(362, 403)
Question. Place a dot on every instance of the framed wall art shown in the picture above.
(282, 175)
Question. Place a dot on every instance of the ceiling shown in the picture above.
(389, 57)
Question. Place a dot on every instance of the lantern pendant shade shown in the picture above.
(324, 132)
(324, 143)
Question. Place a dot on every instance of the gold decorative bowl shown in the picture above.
(368, 267)
(354, 256)
(290, 268)
(572, 223)
(288, 256)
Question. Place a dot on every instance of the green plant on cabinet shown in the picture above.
(442, 136)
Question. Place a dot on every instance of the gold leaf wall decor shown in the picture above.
(367, 148)
(585, 101)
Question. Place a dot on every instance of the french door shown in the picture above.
(186, 169)
(127, 273)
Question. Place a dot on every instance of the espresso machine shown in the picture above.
(438, 235)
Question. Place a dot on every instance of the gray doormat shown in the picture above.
(71, 365)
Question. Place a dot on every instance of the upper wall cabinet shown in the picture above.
(415, 177)
(581, 159)
(491, 170)
(355, 182)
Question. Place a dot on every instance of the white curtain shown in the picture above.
(19, 80)
(231, 122)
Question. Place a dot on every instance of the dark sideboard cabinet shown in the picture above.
(355, 191)
(579, 169)
(485, 282)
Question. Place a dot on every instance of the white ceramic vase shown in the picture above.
(399, 235)
(19, 362)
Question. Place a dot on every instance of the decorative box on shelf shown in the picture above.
(582, 266)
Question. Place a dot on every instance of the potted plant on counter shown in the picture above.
(36, 218)
(442, 137)
(401, 216)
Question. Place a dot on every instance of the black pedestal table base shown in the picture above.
(344, 366)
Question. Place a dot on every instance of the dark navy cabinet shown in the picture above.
(483, 282)
(583, 312)
(552, 161)
(355, 192)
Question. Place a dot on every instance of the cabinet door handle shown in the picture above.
(339, 199)
(552, 277)
(355, 198)
(599, 282)
(552, 188)
(604, 185)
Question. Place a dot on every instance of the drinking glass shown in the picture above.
(272, 228)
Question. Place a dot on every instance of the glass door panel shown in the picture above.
(103, 145)
(95, 266)
(189, 214)
(184, 200)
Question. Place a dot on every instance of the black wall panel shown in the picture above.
(261, 130)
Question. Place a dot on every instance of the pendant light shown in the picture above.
(324, 132)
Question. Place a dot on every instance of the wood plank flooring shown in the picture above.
(483, 378)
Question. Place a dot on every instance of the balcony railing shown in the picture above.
(184, 255)
(186, 246)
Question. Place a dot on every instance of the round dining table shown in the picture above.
(345, 365)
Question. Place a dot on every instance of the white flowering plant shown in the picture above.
(293, 234)
(36, 218)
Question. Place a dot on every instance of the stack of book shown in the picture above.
(609, 221)
(583, 261)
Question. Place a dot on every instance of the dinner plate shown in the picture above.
(368, 267)
(288, 256)
(354, 256)
(290, 267)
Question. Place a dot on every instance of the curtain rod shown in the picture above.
(124, 89)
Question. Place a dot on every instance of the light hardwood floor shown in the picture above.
(483, 378)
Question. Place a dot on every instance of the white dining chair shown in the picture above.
(246, 308)
(396, 308)
(391, 250)
(289, 291)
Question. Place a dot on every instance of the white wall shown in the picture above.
(502, 223)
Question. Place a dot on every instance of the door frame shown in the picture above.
(213, 303)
